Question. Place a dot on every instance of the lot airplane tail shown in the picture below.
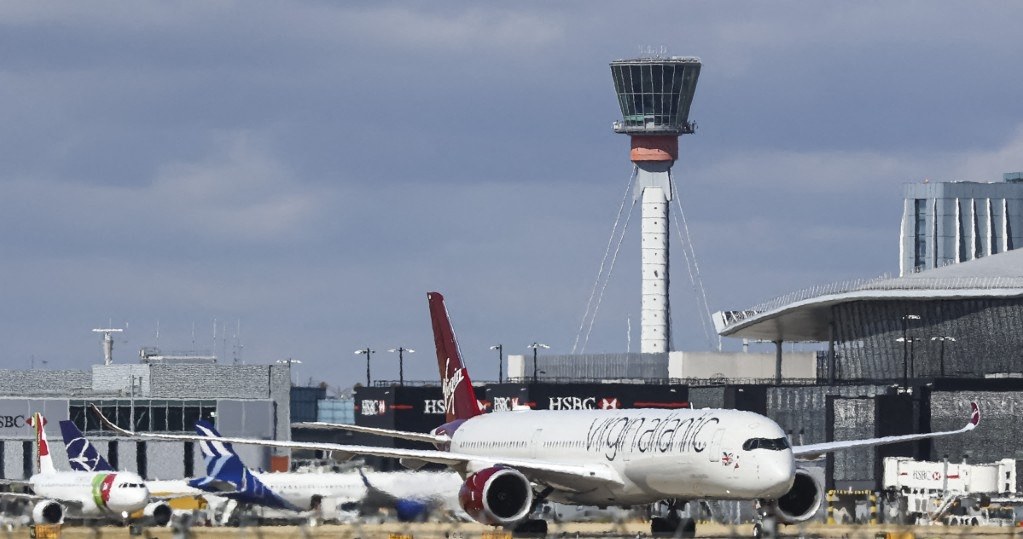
(81, 455)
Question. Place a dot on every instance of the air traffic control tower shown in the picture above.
(654, 95)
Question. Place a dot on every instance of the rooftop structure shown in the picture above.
(949, 222)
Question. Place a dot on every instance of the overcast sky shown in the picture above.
(307, 171)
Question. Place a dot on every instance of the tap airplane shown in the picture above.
(87, 494)
(83, 457)
(510, 461)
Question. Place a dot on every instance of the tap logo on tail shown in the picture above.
(43, 461)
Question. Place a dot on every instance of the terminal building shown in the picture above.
(243, 400)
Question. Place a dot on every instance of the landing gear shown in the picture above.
(766, 525)
(532, 527)
(673, 524)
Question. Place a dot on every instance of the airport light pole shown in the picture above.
(941, 354)
(368, 353)
(905, 344)
(500, 362)
(401, 363)
(535, 346)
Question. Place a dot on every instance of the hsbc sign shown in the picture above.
(12, 421)
(505, 404)
(373, 407)
(583, 403)
(434, 406)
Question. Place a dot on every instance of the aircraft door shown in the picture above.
(714, 449)
(535, 443)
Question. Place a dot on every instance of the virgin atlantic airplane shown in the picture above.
(510, 461)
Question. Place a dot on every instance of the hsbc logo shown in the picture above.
(373, 407)
(505, 404)
(572, 403)
(434, 406)
(12, 421)
(583, 403)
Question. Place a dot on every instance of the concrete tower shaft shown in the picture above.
(655, 333)
(655, 95)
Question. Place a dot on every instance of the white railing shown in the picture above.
(883, 282)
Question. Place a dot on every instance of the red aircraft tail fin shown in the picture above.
(459, 398)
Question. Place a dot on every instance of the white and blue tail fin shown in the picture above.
(44, 463)
(226, 474)
(81, 455)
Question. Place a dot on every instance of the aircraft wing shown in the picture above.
(75, 504)
(404, 435)
(813, 451)
(569, 476)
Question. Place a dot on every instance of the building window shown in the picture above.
(144, 414)
(920, 233)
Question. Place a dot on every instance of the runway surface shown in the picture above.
(580, 530)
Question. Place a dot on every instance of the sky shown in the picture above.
(298, 175)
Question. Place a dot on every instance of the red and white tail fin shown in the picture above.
(44, 463)
(459, 398)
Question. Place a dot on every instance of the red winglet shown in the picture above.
(459, 398)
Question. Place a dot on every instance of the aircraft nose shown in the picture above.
(777, 473)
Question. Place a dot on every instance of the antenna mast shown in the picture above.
(108, 343)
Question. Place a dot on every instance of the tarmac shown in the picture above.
(477, 531)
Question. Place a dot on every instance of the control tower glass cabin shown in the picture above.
(655, 94)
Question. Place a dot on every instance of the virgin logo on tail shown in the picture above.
(452, 379)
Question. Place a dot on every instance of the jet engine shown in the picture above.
(802, 501)
(496, 496)
(48, 512)
(158, 513)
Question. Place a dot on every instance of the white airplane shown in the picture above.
(512, 460)
(83, 494)
(412, 496)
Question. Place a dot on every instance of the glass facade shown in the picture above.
(655, 95)
(143, 414)
(920, 232)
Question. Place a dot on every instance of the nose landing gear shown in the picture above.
(766, 525)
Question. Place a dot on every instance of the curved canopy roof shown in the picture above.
(804, 315)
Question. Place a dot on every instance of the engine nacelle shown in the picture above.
(802, 501)
(158, 513)
(496, 496)
(48, 512)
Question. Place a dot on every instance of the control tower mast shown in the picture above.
(654, 95)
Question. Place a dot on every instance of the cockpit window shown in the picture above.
(772, 444)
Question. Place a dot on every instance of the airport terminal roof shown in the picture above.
(804, 315)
